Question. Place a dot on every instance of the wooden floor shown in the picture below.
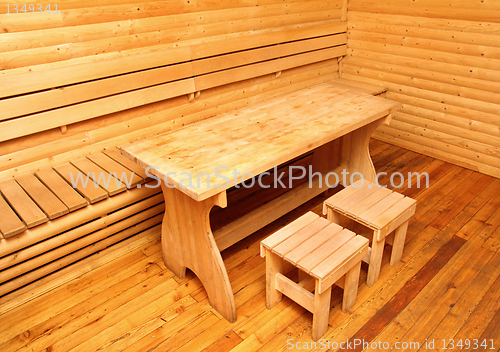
(446, 289)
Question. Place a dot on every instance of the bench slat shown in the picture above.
(92, 193)
(67, 115)
(339, 258)
(105, 180)
(369, 216)
(10, 224)
(27, 210)
(300, 236)
(246, 57)
(266, 37)
(250, 71)
(116, 155)
(110, 165)
(67, 194)
(55, 98)
(281, 235)
(45, 199)
(58, 74)
(311, 244)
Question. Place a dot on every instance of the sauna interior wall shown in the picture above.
(96, 28)
(441, 59)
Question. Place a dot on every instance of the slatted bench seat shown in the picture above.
(325, 254)
(43, 217)
(376, 212)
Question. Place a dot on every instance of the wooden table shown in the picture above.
(251, 140)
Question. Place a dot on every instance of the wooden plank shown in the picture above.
(241, 73)
(372, 213)
(10, 224)
(300, 236)
(284, 233)
(246, 57)
(104, 179)
(310, 261)
(55, 98)
(40, 77)
(27, 210)
(67, 194)
(339, 259)
(130, 179)
(267, 38)
(90, 190)
(115, 154)
(318, 240)
(45, 199)
(67, 115)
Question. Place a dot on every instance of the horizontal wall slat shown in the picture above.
(483, 51)
(448, 94)
(406, 122)
(60, 97)
(46, 120)
(29, 79)
(433, 55)
(456, 70)
(189, 32)
(222, 62)
(246, 72)
(472, 14)
(490, 88)
(427, 110)
(462, 26)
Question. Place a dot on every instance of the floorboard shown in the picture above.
(446, 289)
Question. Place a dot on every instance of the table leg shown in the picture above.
(355, 152)
(188, 242)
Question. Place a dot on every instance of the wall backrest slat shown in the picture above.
(60, 97)
(46, 76)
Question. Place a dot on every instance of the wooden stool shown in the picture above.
(325, 251)
(379, 211)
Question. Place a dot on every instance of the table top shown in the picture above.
(255, 138)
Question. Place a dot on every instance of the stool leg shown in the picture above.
(321, 312)
(399, 243)
(274, 265)
(375, 260)
(351, 287)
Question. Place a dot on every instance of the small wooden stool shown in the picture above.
(325, 251)
(379, 211)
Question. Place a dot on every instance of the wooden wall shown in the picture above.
(441, 59)
(86, 31)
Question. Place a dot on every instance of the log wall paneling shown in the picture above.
(442, 61)
(100, 73)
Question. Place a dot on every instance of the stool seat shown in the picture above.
(323, 250)
(378, 209)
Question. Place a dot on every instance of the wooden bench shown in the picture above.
(38, 212)
(377, 213)
(326, 253)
